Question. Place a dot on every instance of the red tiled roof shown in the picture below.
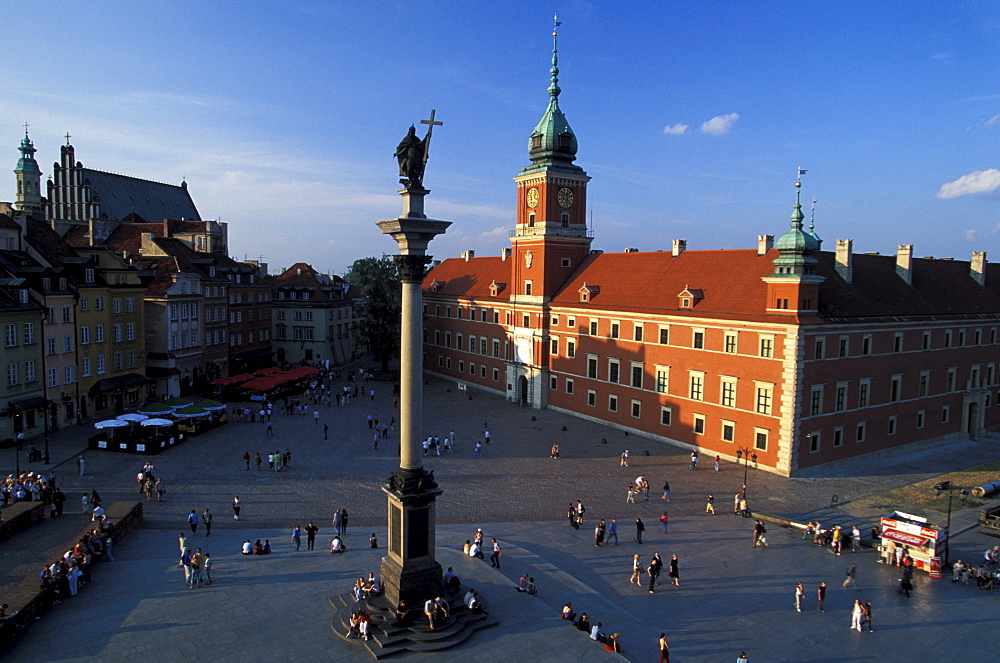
(469, 279)
(940, 288)
(730, 282)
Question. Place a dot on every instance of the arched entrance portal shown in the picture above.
(522, 390)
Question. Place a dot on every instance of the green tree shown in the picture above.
(376, 325)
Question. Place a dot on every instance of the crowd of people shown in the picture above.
(32, 487)
(986, 574)
(63, 578)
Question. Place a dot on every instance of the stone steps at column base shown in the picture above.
(385, 640)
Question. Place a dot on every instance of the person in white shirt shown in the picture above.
(475, 551)
(247, 547)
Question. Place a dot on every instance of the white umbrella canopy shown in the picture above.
(110, 423)
(132, 416)
(156, 422)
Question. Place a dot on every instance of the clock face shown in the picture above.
(532, 197)
(565, 197)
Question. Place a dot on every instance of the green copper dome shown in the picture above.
(553, 142)
(27, 163)
(796, 247)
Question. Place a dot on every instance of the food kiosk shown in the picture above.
(924, 542)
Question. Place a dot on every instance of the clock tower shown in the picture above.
(549, 243)
(550, 238)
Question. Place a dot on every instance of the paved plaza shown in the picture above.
(732, 597)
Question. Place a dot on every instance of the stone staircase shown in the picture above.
(386, 640)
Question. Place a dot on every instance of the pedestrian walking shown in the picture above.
(316, 417)
(613, 531)
(653, 570)
(338, 522)
(694, 460)
(744, 507)
(344, 525)
(800, 593)
(630, 496)
(742, 658)
(868, 616)
(326, 431)
(666, 491)
(821, 596)
(856, 539)
(571, 516)
(82, 464)
(495, 557)
(599, 530)
(857, 612)
(207, 519)
(297, 537)
(851, 577)
(193, 521)
(710, 504)
(246, 460)
(486, 435)
(636, 571)
(639, 529)
(718, 462)
(554, 452)
(736, 504)
(207, 564)
(664, 649)
(270, 428)
(237, 505)
(479, 448)
(624, 462)
(257, 459)
(664, 521)
(311, 536)
(674, 573)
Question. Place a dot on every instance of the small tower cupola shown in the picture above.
(29, 177)
(796, 247)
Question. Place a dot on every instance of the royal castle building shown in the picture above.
(785, 351)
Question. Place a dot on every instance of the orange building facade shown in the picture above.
(794, 354)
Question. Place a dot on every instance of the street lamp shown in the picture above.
(50, 412)
(747, 456)
(938, 489)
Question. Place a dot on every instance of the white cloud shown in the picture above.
(720, 124)
(992, 122)
(980, 181)
(970, 234)
(675, 129)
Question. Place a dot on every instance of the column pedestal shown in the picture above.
(409, 572)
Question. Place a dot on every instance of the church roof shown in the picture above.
(121, 195)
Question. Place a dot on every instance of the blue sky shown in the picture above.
(692, 117)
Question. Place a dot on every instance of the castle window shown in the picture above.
(531, 220)
(527, 289)
(565, 220)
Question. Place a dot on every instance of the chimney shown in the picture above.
(468, 254)
(504, 254)
(978, 267)
(680, 245)
(764, 244)
(904, 262)
(845, 259)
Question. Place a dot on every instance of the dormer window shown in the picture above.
(496, 288)
(565, 141)
(436, 285)
(689, 297)
(88, 275)
(588, 292)
(536, 141)
(22, 296)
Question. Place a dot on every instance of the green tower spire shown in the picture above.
(553, 142)
(796, 247)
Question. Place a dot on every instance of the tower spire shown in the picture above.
(554, 71)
